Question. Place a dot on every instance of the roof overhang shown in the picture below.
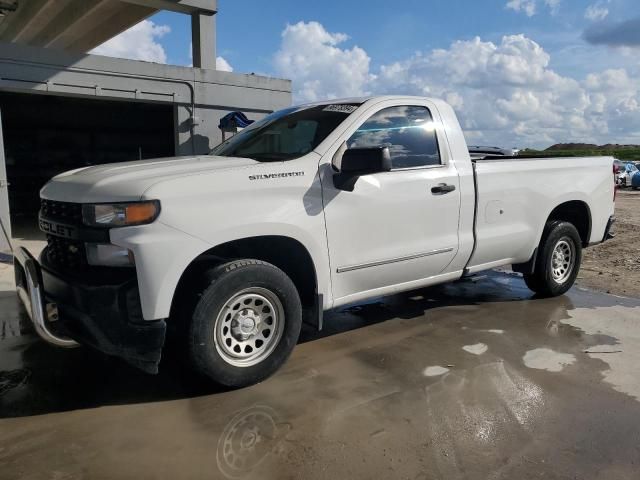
(207, 7)
(80, 25)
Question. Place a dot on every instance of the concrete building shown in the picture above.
(62, 108)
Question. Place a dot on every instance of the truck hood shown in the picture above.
(122, 182)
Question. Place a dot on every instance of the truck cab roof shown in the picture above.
(370, 98)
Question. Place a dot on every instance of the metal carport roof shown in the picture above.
(81, 25)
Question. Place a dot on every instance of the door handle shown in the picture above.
(442, 188)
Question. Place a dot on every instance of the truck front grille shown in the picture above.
(64, 253)
(63, 212)
(69, 254)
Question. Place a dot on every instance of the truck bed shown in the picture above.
(516, 195)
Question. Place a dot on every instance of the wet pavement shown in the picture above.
(475, 379)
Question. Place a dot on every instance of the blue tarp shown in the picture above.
(234, 120)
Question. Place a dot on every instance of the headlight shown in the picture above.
(105, 255)
(120, 214)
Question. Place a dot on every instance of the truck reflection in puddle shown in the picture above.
(248, 439)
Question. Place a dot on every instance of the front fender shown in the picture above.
(269, 199)
(163, 253)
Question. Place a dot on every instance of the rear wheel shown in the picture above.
(558, 261)
(245, 324)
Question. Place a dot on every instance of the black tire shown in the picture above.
(543, 281)
(210, 357)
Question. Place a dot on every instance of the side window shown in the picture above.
(407, 131)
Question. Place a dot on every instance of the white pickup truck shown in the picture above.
(308, 209)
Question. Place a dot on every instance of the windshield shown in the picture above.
(286, 134)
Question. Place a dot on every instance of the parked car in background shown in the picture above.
(626, 175)
(618, 165)
(635, 179)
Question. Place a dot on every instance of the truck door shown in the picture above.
(400, 226)
(5, 225)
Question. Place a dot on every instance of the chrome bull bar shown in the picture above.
(31, 293)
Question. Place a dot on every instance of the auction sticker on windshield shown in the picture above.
(341, 108)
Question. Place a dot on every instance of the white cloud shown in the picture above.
(530, 7)
(505, 93)
(223, 65)
(526, 6)
(140, 42)
(597, 11)
(322, 69)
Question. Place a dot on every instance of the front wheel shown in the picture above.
(558, 261)
(245, 324)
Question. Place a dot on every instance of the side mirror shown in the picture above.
(356, 162)
(365, 161)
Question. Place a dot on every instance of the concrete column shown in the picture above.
(203, 37)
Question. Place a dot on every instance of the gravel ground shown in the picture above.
(614, 266)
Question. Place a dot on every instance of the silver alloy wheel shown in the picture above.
(249, 327)
(563, 260)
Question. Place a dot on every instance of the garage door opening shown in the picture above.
(46, 135)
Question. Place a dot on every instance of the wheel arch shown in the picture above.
(284, 252)
(576, 212)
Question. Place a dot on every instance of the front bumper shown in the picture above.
(103, 313)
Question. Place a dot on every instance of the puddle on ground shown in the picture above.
(547, 359)
(434, 371)
(623, 325)
(489, 408)
(477, 349)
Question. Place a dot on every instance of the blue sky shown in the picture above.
(525, 71)
(249, 31)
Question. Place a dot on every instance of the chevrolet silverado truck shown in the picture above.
(311, 208)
